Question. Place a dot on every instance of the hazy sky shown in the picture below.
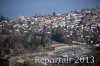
(14, 8)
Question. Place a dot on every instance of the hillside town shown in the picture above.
(74, 33)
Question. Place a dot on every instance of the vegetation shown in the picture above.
(32, 63)
(95, 53)
(58, 34)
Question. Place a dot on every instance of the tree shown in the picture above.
(43, 36)
(58, 34)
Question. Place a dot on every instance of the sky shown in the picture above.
(14, 8)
